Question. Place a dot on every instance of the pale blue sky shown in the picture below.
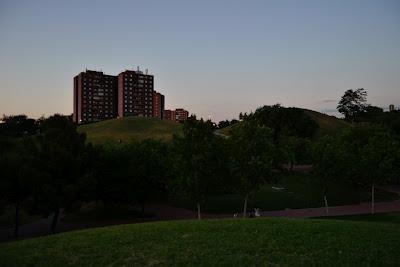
(213, 58)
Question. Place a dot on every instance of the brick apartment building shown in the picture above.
(158, 105)
(95, 97)
(170, 115)
(98, 96)
(178, 115)
(135, 94)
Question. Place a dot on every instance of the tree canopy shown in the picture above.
(352, 103)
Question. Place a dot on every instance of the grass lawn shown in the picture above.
(129, 129)
(328, 125)
(299, 191)
(249, 242)
(391, 217)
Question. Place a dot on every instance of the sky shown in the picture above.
(213, 58)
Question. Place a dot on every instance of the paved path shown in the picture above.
(363, 208)
(164, 212)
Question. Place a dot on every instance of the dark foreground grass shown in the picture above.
(249, 242)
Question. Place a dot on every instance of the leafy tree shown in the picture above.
(12, 186)
(61, 150)
(194, 155)
(330, 163)
(293, 150)
(148, 169)
(285, 121)
(252, 153)
(110, 169)
(226, 123)
(17, 126)
(371, 155)
(352, 103)
(373, 109)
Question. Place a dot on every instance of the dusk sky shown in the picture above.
(214, 58)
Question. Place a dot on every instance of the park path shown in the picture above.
(363, 208)
(163, 212)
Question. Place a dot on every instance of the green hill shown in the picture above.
(229, 242)
(129, 129)
(327, 124)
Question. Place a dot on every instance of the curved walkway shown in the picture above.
(363, 208)
(164, 212)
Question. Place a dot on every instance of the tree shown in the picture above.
(60, 152)
(148, 169)
(372, 156)
(285, 121)
(110, 168)
(252, 153)
(329, 163)
(352, 103)
(194, 154)
(378, 161)
(12, 186)
(17, 126)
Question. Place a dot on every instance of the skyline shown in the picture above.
(210, 58)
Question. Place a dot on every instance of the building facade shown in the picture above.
(170, 115)
(158, 105)
(181, 115)
(135, 94)
(98, 97)
(178, 115)
(95, 97)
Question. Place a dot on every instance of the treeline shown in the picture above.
(46, 166)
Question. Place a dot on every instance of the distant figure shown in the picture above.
(235, 215)
(257, 212)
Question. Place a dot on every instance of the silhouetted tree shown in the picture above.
(330, 163)
(285, 121)
(252, 153)
(148, 167)
(352, 103)
(194, 157)
(61, 150)
(17, 126)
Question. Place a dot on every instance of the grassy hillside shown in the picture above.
(327, 124)
(250, 242)
(130, 128)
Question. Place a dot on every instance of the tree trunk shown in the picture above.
(55, 220)
(326, 205)
(143, 208)
(198, 211)
(245, 206)
(16, 225)
(105, 208)
(373, 199)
